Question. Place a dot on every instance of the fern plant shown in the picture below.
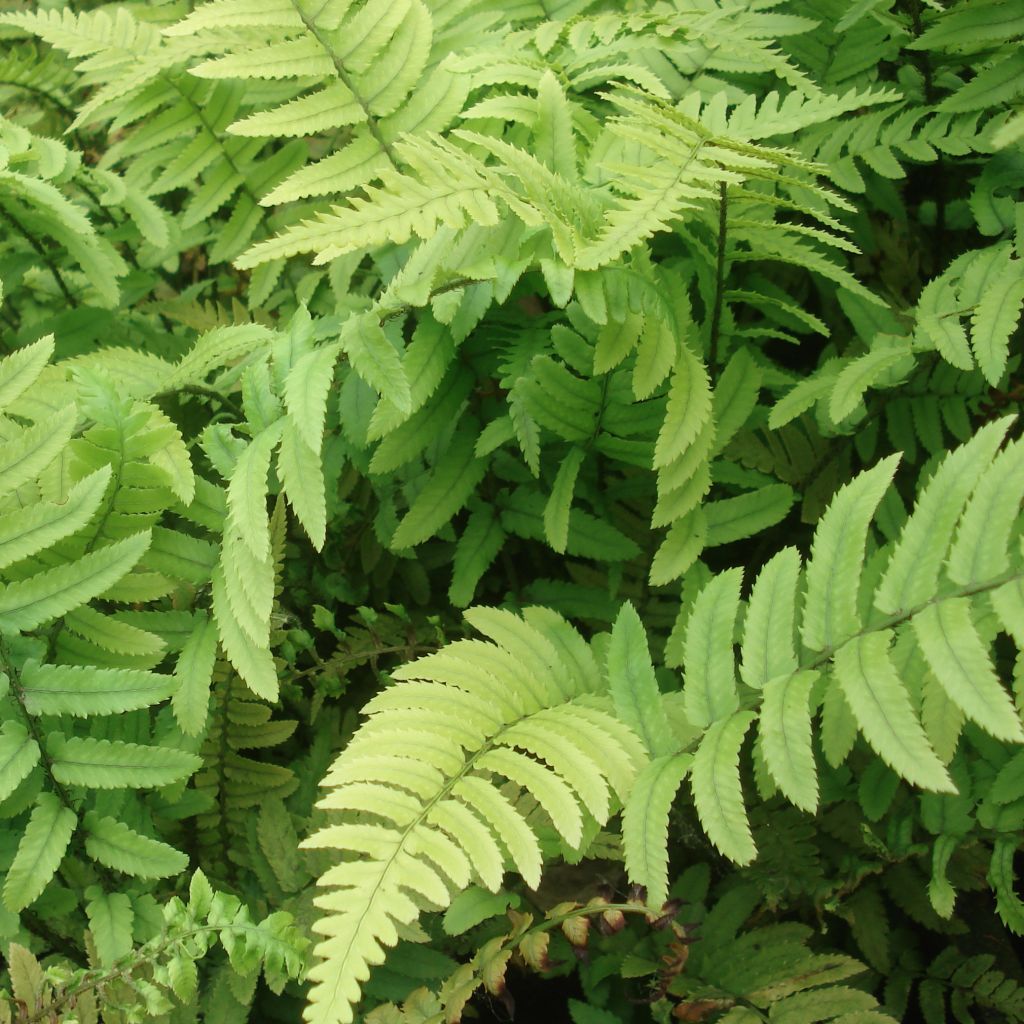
(469, 704)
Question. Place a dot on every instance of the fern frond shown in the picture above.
(112, 843)
(715, 782)
(81, 691)
(645, 823)
(633, 686)
(116, 764)
(27, 531)
(19, 754)
(40, 851)
(768, 648)
(981, 548)
(29, 603)
(232, 781)
(708, 665)
(492, 720)
(21, 369)
(830, 614)
(451, 485)
(913, 569)
(960, 661)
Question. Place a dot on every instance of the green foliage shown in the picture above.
(614, 404)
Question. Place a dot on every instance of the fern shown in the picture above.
(143, 978)
(436, 818)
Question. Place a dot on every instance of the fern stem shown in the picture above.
(451, 286)
(36, 90)
(898, 619)
(41, 252)
(346, 80)
(228, 159)
(716, 312)
(201, 392)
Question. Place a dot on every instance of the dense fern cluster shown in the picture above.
(491, 489)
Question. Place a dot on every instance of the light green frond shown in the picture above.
(913, 568)
(302, 479)
(324, 110)
(81, 690)
(449, 187)
(797, 110)
(110, 923)
(570, 760)
(997, 313)
(861, 373)
(475, 716)
(768, 648)
(553, 794)
(375, 359)
(29, 603)
(249, 587)
(784, 727)
(506, 822)
(530, 647)
(633, 686)
(39, 853)
(574, 652)
(217, 348)
(463, 826)
(680, 549)
(717, 793)
(27, 531)
(449, 856)
(553, 133)
(432, 758)
(959, 659)
(383, 801)
(979, 552)
(193, 675)
(708, 665)
(837, 555)
(19, 754)
(645, 823)
(360, 161)
(879, 701)
(689, 406)
(289, 59)
(305, 393)
(253, 662)
(112, 843)
(656, 357)
(20, 370)
(411, 773)
(115, 764)
(247, 492)
(235, 14)
(25, 457)
(479, 668)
